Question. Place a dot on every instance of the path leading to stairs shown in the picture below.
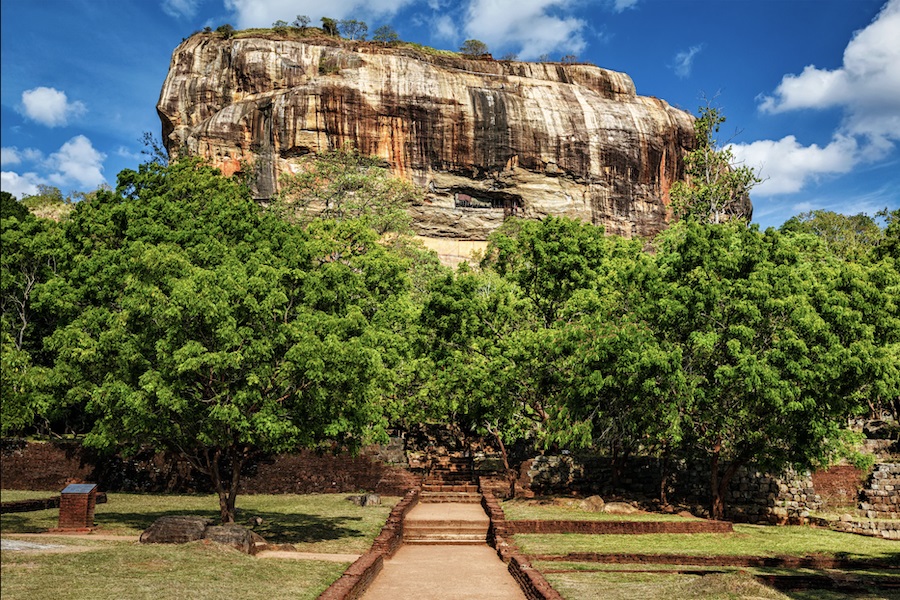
(444, 572)
(438, 564)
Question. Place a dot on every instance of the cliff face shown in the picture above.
(484, 138)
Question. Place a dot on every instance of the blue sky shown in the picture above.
(811, 88)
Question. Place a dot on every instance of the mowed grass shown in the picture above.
(747, 540)
(101, 569)
(17, 495)
(312, 523)
(661, 586)
(587, 581)
(137, 571)
(531, 510)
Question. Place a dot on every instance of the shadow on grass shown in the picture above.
(279, 528)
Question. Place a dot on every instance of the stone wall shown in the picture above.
(880, 498)
(753, 496)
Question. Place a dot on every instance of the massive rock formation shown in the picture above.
(484, 138)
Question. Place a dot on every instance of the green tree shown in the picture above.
(344, 184)
(330, 26)
(226, 30)
(850, 237)
(772, 351)
(385, 35)
(473, 48)
(301, 22)
(33, 254)
(714, 188)
(353, 29)
(209, 327)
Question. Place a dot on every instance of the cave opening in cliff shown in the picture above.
(510, 204)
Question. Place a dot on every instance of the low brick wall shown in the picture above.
(51, 465)
(42, 504)
(358, 576)
(792, 562)
(530, 580)
(356, 579)
(618, 527)
(838, 486)
(391, 536)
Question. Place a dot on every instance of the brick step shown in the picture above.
(446, 525)
(470, 488)
(446, 542)
(465, 497)
(438, 477)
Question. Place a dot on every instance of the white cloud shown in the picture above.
(528, 25)
(262, 13)
(9, 156)
(684, 61)
(50, 106)
(77, 162)
(445, 28)
(866, 86)
(622, 5)
(786, 166)
(180, 8)
(20, 185)
(867, 89)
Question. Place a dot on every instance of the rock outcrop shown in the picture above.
(484, 138)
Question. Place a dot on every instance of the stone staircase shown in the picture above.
(449, 509)
(450, 479)
(440, 524)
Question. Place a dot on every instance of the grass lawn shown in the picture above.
(528, 510)
(313, 523)
(16, 495)
(137, 571)
(752, 540)
(656, 582)
(104, 569)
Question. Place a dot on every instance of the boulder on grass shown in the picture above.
(365, 499)
(620, 508)
(235, 536)
(593, 504)
(177, 529)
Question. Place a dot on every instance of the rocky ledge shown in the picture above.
(484, 138)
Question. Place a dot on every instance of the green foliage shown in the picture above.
(353, 29)
(344, 184)
(714, 188)
(330, 26)
(210, 327)
(12, 208)
(473, 48)
(301, 22)
(385, 35)
(850, 237)
(48, 203)
(226, 31)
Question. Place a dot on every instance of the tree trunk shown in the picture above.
(717, 504)
(719, 483)
(664, 479)
(226, 490)
(510, 474)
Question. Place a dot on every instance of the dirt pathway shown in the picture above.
(445, 571)
(440, 572)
